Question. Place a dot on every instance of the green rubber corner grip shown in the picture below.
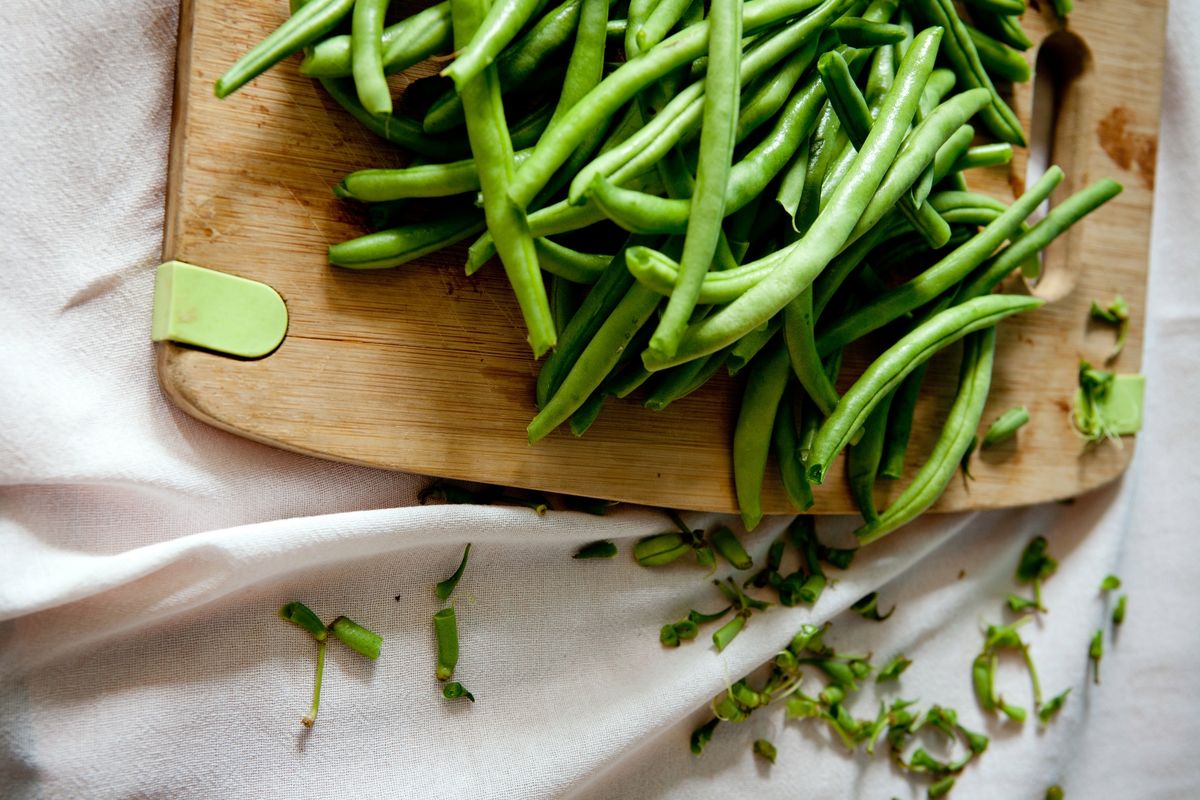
(1122, 405)
(219, 312)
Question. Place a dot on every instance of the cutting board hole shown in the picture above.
(1057, 136)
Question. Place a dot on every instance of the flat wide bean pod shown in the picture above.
(887, 371)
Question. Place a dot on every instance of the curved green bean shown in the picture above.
(664, 17)
(985, 155)
(712, 174)
(426, 180)
(859, 32)
(658, 273)
(887, 371)
(975, 377)
(396, 246)
(366, 52)
(307, 25)
(405, 43)
(899, 424)
(765, 384)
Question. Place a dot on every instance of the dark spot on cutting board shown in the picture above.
(1063, 405)
(1128, 149)
(1017, 182)
(962, 573)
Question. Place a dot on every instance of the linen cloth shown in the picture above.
(145, 553)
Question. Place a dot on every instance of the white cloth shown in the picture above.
(145, 553)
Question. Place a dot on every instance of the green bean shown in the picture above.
(395, 246)
(1005, 7)
(729, 548)
(826, 141)
(879, 76)
(526, 131)
(985, 155)
(569, 264)
(743, 351)
(307, 25)
(596, 360)
(947, 272)
(515, 65)
(660, 22)
(599, 304)
(366, 50)
(658, 272)
(560, 217)
(851, 108)
(786, 442)
(712, 176)
(766, 102)
(586, 66)
(636, 15)
(682, 114)
(918, 151)
(765, 385)
(503, 20)
(1004, 27)
(940, 83)
(678, 383)
(445, 627)
(405, 43)
(616, 28)
(628, 79)
(961, 53)
(396, 129)
(887, 371)
(858, 32)
(863, 457)
(791, 188)
(1005, 426)
(900, 420)
(493, 151)
(588, 412)
(804, 260)
(643, 213)
(802, 352)
(426, 180)
(564, 302)
(1060, 218)
(999, 58)
(963, 419)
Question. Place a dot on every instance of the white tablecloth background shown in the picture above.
(144, 553)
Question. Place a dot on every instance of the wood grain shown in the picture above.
(425, 370)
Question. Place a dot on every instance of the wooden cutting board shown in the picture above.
(424, 370)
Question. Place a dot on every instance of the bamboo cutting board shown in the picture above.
(424, 370)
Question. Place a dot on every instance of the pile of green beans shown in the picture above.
(677, 188)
